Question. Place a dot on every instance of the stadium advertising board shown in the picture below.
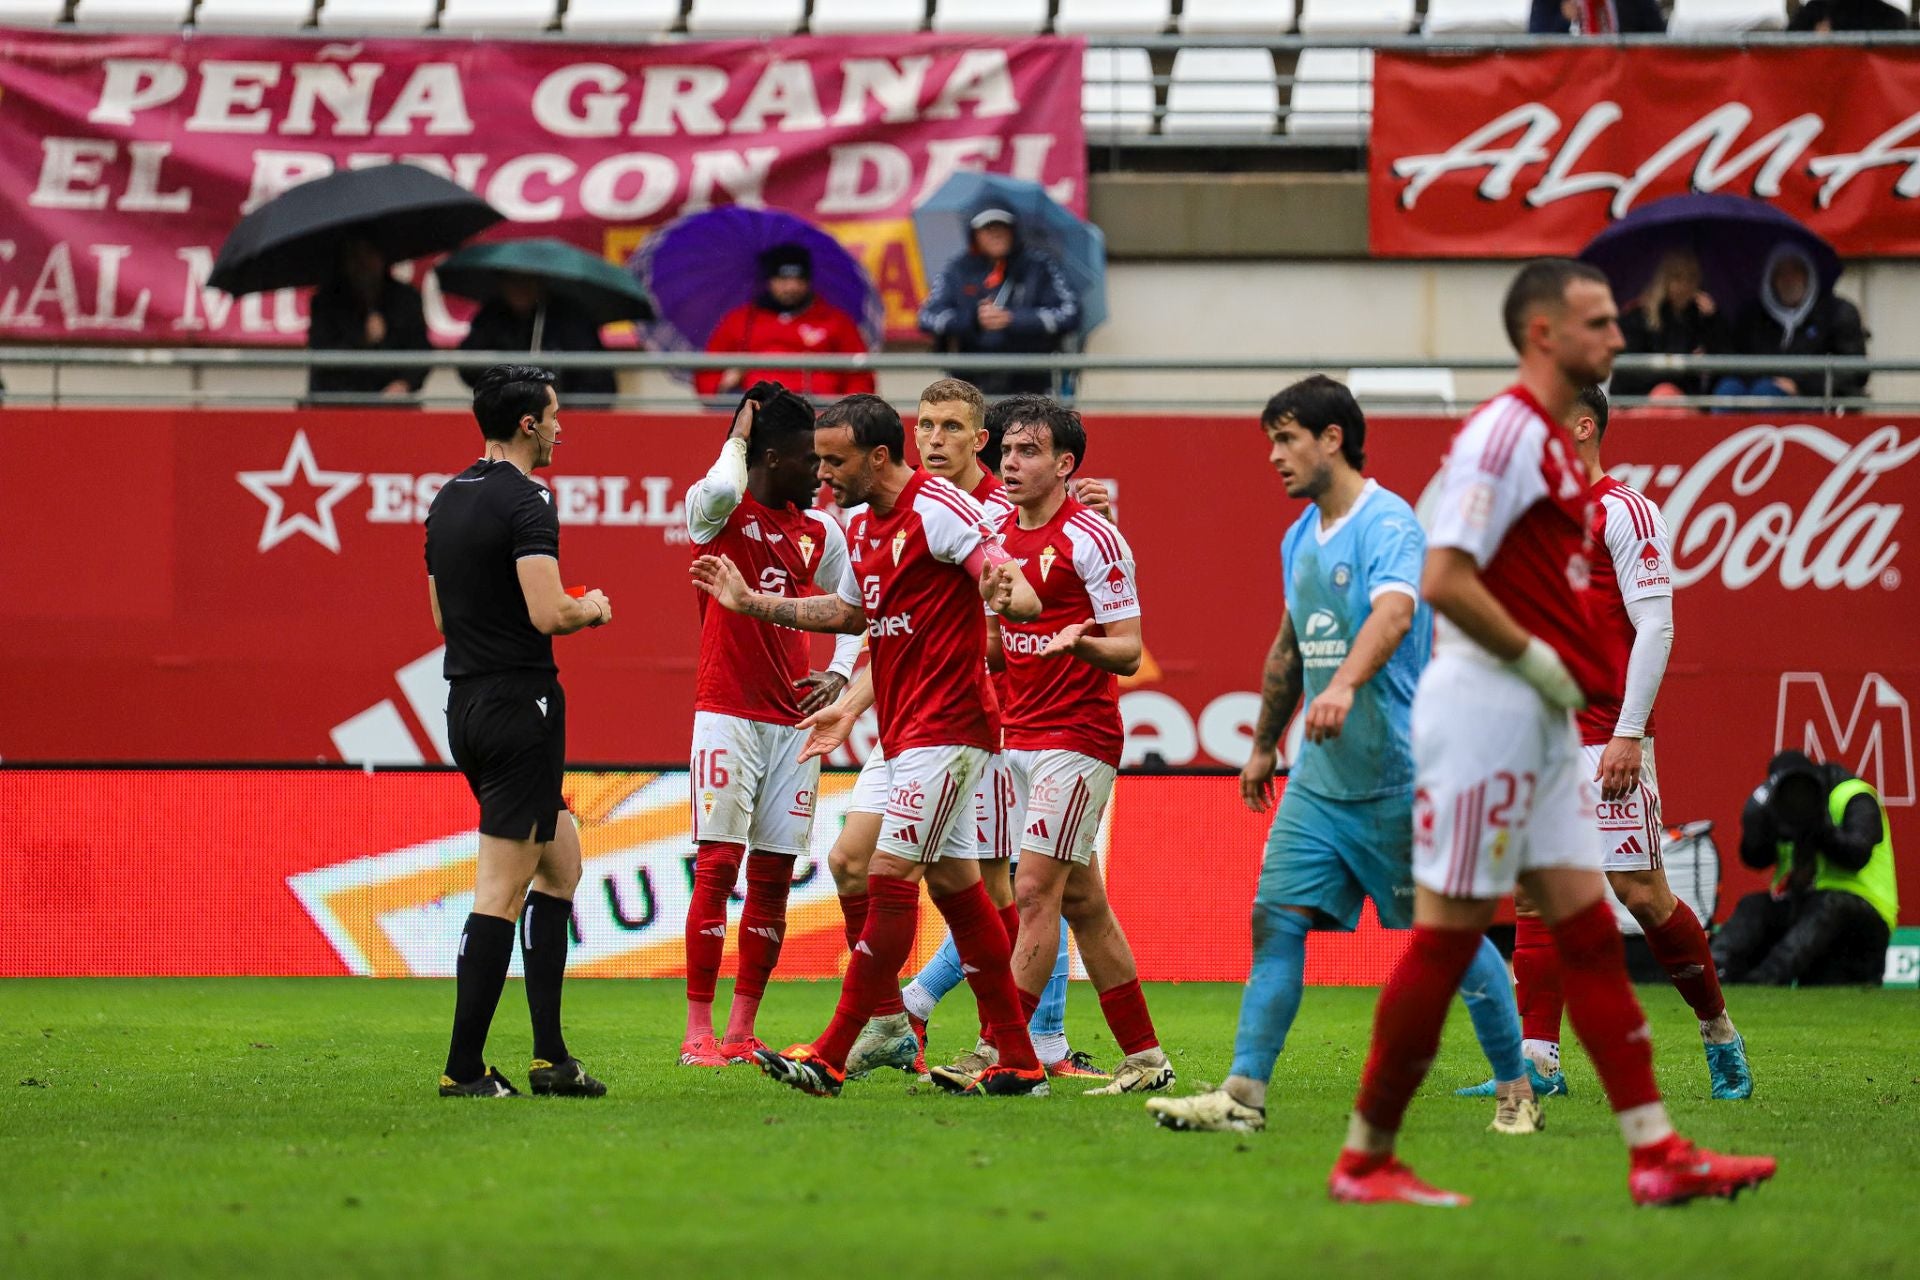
(230, 585)
(126, 159)
(344, 872)
(1519, 153)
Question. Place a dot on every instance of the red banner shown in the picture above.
(248, 586)
(1517, 153)
(126, 159)
(344, 872)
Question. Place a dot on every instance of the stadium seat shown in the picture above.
(625, 17)
(1356, 17)
(132, 13)
(1446, 17)
(1011, 17)
(497, 15)
(1113, 17)
(746, 17)
(1402, 387)
(1237, 17)
(1705, 17)
(853, 16)
(1332, 92)
(1222, 91)
(1116, 92)
(282, 15)
(31, 13)
(378, 15)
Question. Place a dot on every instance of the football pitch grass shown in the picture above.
(290, 1127)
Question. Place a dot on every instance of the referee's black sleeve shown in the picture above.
(535, 525)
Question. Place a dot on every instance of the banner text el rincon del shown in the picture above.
(126, 159)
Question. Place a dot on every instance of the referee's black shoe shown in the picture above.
(490, 1085)
(564, 1080)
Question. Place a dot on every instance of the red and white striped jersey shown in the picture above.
(1638, 566)
(748, 668)
(991, 494)
(1514, 496)
(925, 629)
(1081, 568)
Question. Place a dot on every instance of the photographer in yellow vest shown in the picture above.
(1834, 899)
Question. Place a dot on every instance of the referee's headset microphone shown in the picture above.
(553, 443)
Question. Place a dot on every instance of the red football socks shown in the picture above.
(1680, 945)
(982, 942)
(1407, 1021)
(1126, 1012)
(853, 910)
(1536, 974)
(763, 925)
(1606, 1014)
(716, 867)
(873, 971)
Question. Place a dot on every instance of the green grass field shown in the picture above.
(282, 1127)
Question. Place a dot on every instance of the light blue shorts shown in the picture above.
(1329, 855)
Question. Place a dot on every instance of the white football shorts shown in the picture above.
(929, 790)
(748, 787)
(1630, 830)
(1062, 798)
(1499, 782)
(869, 793)
(996, 811)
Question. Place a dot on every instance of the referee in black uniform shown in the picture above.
(493, 576)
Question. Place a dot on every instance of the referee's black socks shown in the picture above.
(544, 928)
(486, 949)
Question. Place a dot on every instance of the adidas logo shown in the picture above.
(908, 835)
(1632, 845)
(1039, 828)
(715, 931)
(862, 947)
(967, 968)
(752, 530)
(768, 932)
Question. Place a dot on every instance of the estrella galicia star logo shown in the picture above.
(301, 474)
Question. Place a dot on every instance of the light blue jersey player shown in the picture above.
(1353, 641)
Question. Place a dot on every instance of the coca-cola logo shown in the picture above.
(1835, 538)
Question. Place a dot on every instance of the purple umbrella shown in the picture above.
(702, 266)
(1730, 235)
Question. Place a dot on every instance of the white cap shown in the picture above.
(987, 217)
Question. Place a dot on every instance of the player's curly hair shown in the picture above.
(506, 393)
(1065, 431)
(1317, 403)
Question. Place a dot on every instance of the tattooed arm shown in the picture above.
(720, 578)
(1280, 685)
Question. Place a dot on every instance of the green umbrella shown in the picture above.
(603, 291)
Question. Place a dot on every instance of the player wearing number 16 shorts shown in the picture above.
(1500, 794)
(750, 788)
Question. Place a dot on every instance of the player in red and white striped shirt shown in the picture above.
(1063, 734)
(1630, 597)
(750, 789)
(1501, 795)
(921, 555)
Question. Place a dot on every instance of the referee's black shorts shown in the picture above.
(509, 737)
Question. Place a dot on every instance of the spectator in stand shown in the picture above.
(1675, 316)
(1831, 909)
(1001, 298)
(523, 316)
(1596, 17)
(363, 308)
(1793, 318)
(1827, 16)
(786, 319)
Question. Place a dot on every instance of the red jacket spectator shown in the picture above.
(786, 319)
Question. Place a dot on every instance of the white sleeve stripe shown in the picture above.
(1099, 533)
(1501, 441)
(1394, 588)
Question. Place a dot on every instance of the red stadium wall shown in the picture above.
(246, 586)
(334, 872)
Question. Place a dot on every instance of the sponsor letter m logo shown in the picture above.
(1875, 740)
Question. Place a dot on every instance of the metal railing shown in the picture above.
(1071, 374)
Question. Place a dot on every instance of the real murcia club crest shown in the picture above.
(1047, 556)
(899, 545)
(805, 543)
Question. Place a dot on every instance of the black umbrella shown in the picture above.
(295, 238)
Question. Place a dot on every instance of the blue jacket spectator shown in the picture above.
(1630, 17)
(1001, 298)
